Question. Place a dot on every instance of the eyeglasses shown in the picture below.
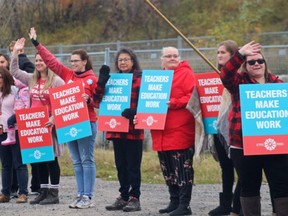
(124, 60)
(252, 62)
(75, 61)
(171, 56)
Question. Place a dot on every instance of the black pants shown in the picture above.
(226, 164)
(249, 170)
(11, 121)
(10, 156)
(49, 169)
(227, 170)
(35, 181)
(128, 157)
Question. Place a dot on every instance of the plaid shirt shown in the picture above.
(231, 79)
(132, 134)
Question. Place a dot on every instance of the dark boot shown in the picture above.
(52, 197)
(42, 195)
(225, 205)
(184, 201)
(251, 206)
(174, 199)
(281, 206)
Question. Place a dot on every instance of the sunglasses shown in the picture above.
(252, 62)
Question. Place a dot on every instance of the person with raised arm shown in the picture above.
(81, 150)
(39, 84)
(253, 70)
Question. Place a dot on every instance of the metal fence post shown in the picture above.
(179, 45)
(60, 52)
(118, 44)
(107, 56)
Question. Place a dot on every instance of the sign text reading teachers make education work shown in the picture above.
(116, 98)
(264, 114)
(35, 139)
(70, 112)
(210, 89)
(152, 103)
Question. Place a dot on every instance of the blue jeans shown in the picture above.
(11, 156)
(82, 155)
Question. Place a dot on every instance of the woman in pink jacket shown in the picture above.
(175, 144)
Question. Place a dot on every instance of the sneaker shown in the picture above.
(4, 198)
(133, 205)
(84, 203)
(22, 198)
(119, 204)
(75, 202)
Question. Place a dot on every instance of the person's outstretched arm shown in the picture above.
(229, 72)
(19, 74)
(50, 60)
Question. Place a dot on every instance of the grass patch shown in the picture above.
(207, 171)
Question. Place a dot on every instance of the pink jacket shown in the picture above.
(22, 98)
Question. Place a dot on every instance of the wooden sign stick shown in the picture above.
(183, 37)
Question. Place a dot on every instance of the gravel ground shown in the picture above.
(154, 197)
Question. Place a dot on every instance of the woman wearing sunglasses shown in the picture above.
(249, 168)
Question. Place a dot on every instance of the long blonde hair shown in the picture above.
(37, 76)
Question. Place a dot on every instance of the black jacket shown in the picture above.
(25, 64)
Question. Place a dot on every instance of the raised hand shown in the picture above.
(19, 45)
(250, 49)
(103, 75)
(32, 34)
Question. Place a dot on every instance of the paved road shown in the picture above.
(204, 198)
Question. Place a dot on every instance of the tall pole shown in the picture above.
(183, 36)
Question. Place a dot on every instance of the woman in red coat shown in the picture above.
(175, 144)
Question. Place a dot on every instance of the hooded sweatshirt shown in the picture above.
(68, 75)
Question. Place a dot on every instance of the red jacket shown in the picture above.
(68, 75)
(179, 131)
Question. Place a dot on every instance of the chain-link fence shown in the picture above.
(149, 52)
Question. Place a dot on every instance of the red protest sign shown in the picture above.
(31, 130)
(67, 104)
(210, 89)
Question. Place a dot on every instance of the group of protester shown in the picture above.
(39, 82)
(174, 144)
